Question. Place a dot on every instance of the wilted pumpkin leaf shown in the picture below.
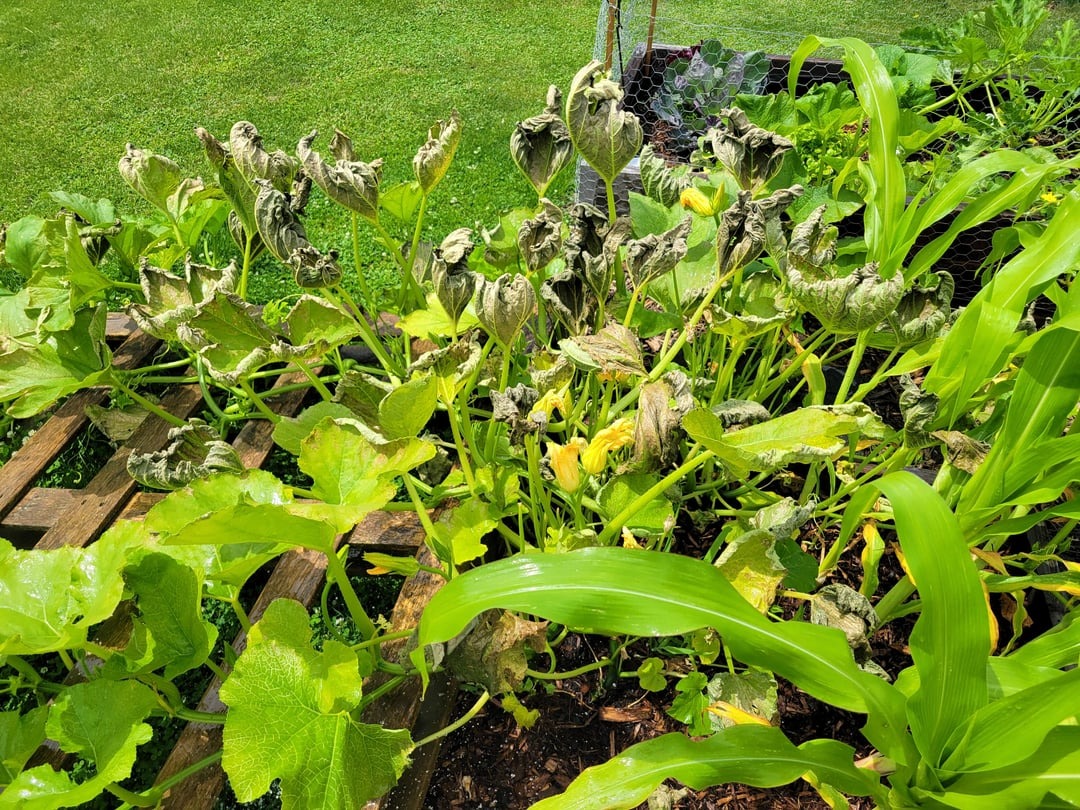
(750, 564)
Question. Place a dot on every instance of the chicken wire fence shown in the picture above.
(638, 37)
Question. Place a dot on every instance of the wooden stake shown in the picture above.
(649, 38)
(612, 16)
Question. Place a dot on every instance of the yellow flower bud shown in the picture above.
(564, 463)
(550, 402)
(618, 434)
(695, 200)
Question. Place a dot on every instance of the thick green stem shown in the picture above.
(661, 367)
(324, 392)
(365, 291)
(425, 519)
(193, 716)
(410, 284)
(861, 341)
(694, 459)
(241, 290)
(161, 413)
(130, 797)
(469, 715)
(891, 603)
(572, 673)
(256, 400)
(335, 569)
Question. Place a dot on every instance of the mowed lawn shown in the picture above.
(78, 81)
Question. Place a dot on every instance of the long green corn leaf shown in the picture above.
(990, 321)
(884, 175)
(623, 591)
(1016, 194)
(994, 738)
(1046, 392)
(951, 640)
(752, 755)
(1058, 647)
(1052, 771)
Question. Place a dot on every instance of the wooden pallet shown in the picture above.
(48, 518)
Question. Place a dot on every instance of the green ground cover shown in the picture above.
(77, 82)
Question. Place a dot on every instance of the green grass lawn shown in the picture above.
(78, 81)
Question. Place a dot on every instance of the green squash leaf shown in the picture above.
(750, 564)
(405, 411)
(290, 719)
(169, 599)
(50, 599)
(101, 721)
(20, 735)
(34, 375)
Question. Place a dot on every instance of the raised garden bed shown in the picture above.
(42, 517)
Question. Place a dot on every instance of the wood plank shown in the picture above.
(198, 740)
(118, 326)
(402, 708)
(298, 575)
(49, 441)
(36, 513)
(107, 493)
(388, 533)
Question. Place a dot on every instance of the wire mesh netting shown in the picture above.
(641, 40)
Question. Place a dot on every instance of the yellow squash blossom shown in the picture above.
(695, 200)
(564, 463)
(618, 434)
(550, 402)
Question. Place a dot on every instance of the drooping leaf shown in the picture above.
(454, 282)
(613, 350)
(433, 159)
(314, 326)
(570, 300)
(170, 298)
(541, 146)
(654, 255)
(195, 451)
(290, 719)
(348, 182)
(154, 177)
(803, 435)
(750, 564)
(504, 306)
(493, 653)
(285, 236)
(753, 155)
(606, 136)
(255, 163)
(661, 183)
(539, 238)
(837, 605)
(102, 722)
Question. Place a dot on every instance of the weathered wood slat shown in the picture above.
(402, 707)
(298, 575)
(33, 458)
(107, 493)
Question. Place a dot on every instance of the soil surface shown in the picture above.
(587, 720)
